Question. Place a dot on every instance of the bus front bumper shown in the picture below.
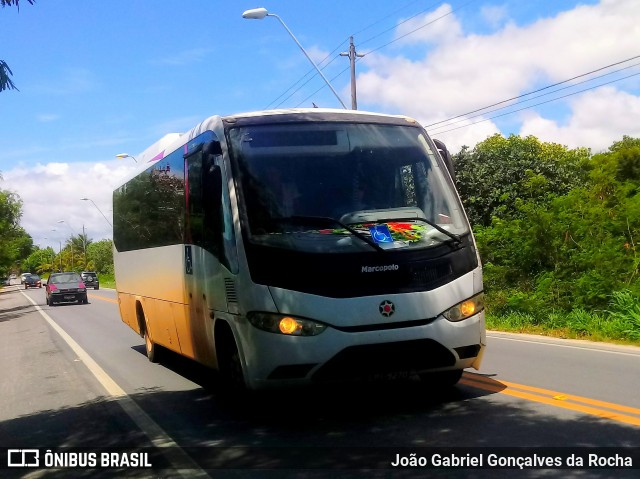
(336, 356)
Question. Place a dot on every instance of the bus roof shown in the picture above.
(170, 142)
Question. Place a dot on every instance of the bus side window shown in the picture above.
(204, 221)
(213, 225)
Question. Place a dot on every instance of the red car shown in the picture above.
(65, 288)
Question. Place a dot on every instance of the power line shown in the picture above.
(453, 10)
(376, 49)
(339, 47)
(396, 25)
(386, 17)
(305, 76)
(331, 79)
(537, 104)
(542, 89)
(465, 118)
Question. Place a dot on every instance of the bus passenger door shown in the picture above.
(205, 257)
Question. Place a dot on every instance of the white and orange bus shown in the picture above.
(301, 246)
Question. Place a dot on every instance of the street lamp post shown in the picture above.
(260, 13)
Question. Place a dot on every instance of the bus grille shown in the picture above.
(369, 360)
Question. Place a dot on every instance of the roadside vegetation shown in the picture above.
(558, 231)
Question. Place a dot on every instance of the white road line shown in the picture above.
(633, 351)
(158, 437)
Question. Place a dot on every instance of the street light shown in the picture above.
(126, 155)
(105, 218)
(260, 13)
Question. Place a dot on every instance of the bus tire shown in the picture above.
(150, 347)
(229, 362)
(441, 379)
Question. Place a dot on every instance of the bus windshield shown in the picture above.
(343, 187)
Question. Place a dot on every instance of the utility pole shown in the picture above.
(352, 60)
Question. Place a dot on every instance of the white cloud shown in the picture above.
(51, 192)
(318, 55)
(494, 15)
(439, 26)
(47, 117)
(598, 118)
(462, 72)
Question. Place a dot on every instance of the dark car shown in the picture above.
(32, 281)
(90, 279)
(65, 288)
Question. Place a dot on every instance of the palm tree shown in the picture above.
(5, 72)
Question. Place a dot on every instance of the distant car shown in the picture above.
(90, 279)
(65, 288)
(13, 276)
(5, 281)
(23, 276)
(32, 281)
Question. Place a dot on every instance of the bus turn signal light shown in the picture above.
(465, 309)
(288, 325)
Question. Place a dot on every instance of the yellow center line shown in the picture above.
(103, 298)
(555, 398)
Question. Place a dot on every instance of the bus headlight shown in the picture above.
(287, 325)
(465, 309)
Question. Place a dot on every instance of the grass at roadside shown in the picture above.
(107, 281)
(620, 324)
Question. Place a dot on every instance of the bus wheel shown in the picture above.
(441, 379)
(230, 365)
(151, 347)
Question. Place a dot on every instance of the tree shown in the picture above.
(5, 72)
(501, 172)
(100, 255)
(568, 251)
(40, 261)
(15, 243)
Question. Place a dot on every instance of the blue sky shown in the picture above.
(100, 78)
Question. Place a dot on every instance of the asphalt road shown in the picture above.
(102, 391)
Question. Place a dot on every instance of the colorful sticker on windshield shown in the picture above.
(392, 231)
(380, 233)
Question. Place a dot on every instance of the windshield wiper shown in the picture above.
(326, 220)
(454, 237)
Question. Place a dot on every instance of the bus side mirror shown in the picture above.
(211, 173)
(446, 156)
(212, 148)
